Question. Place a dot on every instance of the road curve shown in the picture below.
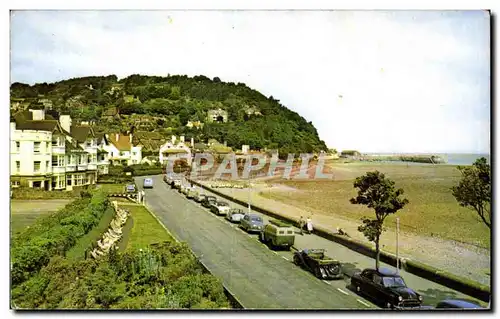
(258, 277)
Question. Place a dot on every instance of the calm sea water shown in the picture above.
(452, 158)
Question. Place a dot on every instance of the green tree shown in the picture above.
(474, 189)
(175, 92)
(377, 192)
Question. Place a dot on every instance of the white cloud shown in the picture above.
(408, 82)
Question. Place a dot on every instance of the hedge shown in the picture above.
(54, 235)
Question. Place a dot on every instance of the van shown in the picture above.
(148, 183)
(278, 234)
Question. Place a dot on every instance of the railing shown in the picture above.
(58, 149)
(71, 167)
(82, 167)
(58, 169)
(92, 166)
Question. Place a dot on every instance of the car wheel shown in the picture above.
(317, 273)
(261, 237)
(358, 289)
(388, 305)
(296, 260)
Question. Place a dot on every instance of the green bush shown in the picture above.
(54, 235)
(166, 275)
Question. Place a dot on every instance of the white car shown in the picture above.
(220, 208)
(235, 215)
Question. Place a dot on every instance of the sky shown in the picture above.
(375, 81)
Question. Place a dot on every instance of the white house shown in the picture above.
(121, 150)
(176, 150)
(51, 154)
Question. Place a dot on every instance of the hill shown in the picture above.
(197, 107)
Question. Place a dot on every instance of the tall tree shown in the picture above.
(377, 192)
(474, 189)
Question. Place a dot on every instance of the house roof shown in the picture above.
(111, 112)
(81, 133)
(174, 151)
(123, 142)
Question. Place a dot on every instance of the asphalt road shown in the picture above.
(259, 277)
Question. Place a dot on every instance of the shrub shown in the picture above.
(54, 235)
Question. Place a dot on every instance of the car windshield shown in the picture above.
(392, 282)
(255, 218)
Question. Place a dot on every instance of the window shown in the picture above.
(55, 142)
(134, 153)
(121, 154)
(18, 146)
(36, 166)
(15, 183)
(377, 279)
(37, 147)
(47, 147)
(281, 232)
(54, 161)
(46, 166)
(61, 160)
(61, 183)
(68, 180)
(18, 166)
(37, 184)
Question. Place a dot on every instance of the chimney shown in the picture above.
(182, 138)
(173, 139)
(130, 135)
(38, 115)
(117, 136)
(192, 142)
(225, 143)
(65, 121)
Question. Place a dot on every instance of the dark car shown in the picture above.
(252, 223)
(457, 304)
(208, 201)
(315, 260)
(200, 197)
(385, 287)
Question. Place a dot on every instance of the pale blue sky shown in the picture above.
(373, 81)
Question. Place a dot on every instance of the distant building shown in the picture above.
(176, 150)
(195, 124)
(113, 113)
(217, 116)
(122, 151)
(350, 154)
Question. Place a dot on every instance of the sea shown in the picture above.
(452, 158)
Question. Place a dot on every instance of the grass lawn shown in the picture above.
(112, 188)
(432, 211)
(144, 230)
(25, 212)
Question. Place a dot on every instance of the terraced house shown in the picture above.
(52, 154)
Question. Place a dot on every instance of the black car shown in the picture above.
(315, 260)
(385, 287)
(208, 201)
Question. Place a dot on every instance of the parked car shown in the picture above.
(208, 201)
(191, 193)
(385, 287)
(130, 188)
(148, 183)
(278, 234)
(176, 183)
(252, 223)
(457, 304)
(220, 208)
(315, 261)
(235, 215)
(200, 197)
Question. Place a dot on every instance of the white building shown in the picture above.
(121, 150)
(176, 150)
(50, 154)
